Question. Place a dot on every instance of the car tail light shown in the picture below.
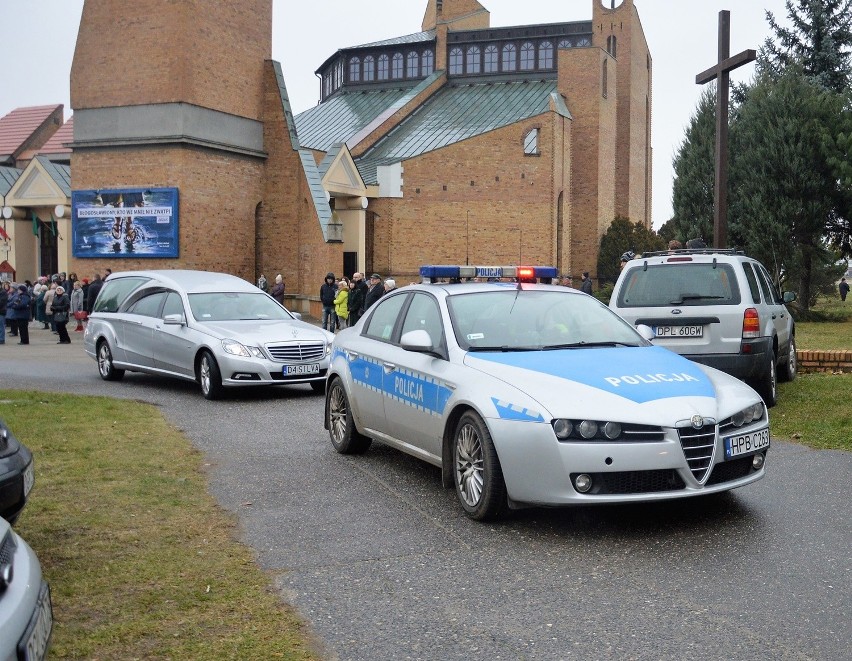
(751, 323)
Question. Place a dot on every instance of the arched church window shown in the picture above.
(396, 66)
(474, 57)
(354, 69)
(491, 59)
(369, 68)
(413, 64)
(456, 61)
(510, 57)
(584, 42)
(527, 56)
(565, 43)
(611, 45)
(531, 143)
(545, 55)
(427, 64)
(384, 61)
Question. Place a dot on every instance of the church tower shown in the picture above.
(171, 95)
(447, 15)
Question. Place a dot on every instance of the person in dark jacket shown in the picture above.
(61, 306)
(328, 291)
(377, 288)
(357, 292)
(4, 301)
(278, 289)
(21, 312)
(586, 286)
(92, 293)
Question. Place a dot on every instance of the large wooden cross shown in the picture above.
(722, 71)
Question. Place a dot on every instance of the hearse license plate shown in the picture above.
(679, 331)
(37, 636)
(299, 370)
(745, 443)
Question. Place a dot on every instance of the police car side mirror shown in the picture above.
(417, 340)
(646, 331)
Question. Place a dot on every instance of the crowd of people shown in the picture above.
(50, 301)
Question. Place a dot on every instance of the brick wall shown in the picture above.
(824, 361)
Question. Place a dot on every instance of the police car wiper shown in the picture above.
(504, 348)
(585, 345)
(695, 297)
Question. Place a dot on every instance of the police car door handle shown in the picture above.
(389, 367)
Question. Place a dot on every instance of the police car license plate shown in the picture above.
(679, 331)
(745, 443)
(36, 638)
(29, 479)
(297, 370)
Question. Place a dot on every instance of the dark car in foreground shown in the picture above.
(16, 474)
(26, 612)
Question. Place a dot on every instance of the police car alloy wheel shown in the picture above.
(478, 477)
(341, 426)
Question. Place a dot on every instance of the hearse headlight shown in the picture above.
(563, 428)
(238, 349)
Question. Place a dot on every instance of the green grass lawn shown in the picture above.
(141, 561)
(833, 334)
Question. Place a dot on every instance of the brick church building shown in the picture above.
(458, 143)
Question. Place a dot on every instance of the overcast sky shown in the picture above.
(40, 36)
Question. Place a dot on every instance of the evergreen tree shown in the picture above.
(783, 192)
(622, 236)
(694, 168)
(820, 40)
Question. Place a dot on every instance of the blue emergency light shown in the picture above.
(464, 272)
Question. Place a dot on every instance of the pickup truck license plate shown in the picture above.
(679, 331)
(297, 370)
(746, 443)
(33, 646)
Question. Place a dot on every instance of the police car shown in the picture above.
(526, 393)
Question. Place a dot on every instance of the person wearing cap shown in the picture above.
(375, 292)
(20, 307)
(626, 257)
(61, 306)
(586, 286)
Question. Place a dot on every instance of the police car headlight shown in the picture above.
(748, 415)
(612, 430)
(563, 428)
(756, 411)
(587, 428)
(739, 418)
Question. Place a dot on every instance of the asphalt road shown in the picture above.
(382, 564)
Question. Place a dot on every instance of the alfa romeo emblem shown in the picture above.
(697, 422)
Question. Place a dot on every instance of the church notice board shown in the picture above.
(125, 222)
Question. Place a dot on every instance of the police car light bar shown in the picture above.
(523, 273)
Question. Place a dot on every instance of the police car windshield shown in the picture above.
(535, 319)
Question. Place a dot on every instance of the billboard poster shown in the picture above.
(125, 222)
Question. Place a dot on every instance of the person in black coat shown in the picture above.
(377, 288)
(4, 301)
(21, 311)
(357, 292)
(92, 293)
(328, 291)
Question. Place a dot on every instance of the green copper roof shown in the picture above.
(343, 115)
(457, 113)
(61, 174)
(8, 177)
(416, 38)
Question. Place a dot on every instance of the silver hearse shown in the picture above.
(212, 328)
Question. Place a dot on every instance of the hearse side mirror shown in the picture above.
(174, 320)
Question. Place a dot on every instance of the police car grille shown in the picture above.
(626, 482)
(296, 352)
(639, 433)
(7, 548)
(731, 470)
(698, 447)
